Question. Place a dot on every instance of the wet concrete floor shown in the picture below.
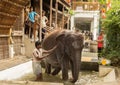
(86, 77)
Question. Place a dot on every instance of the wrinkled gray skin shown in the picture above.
(66, 54)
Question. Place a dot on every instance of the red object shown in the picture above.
(103, 13)
(100, 43)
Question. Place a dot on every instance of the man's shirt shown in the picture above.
(32, 16)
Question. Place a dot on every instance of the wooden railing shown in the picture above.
(85, 6)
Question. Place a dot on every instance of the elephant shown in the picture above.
(67, 53)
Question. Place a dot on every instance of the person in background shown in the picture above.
(31, 16)
(26, 21)
(100, 43)
(91, 35)
(44, 23)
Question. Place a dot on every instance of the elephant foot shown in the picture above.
(73, 80)
(48, 68)
(56, 71)
(47, 72)
(65, 78)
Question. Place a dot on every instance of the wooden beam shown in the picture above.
(53, 9)
(68, 22)
(22, 21)
(59, 1)
(51, 1)
(56, 15)
(10, 2)
(4, 36)
(5, 26)
(22, 2)
(11, 11)
(57, 11)
(40, 31)
(10, 15)
(63, 17)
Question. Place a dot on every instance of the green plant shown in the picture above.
(71, 12)
(112, 31)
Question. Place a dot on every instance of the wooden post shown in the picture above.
(10, 38)
(22, 23)
(10, 43)
(40, 31)
(68, 22)
(63, 17)
(51, 1)
(56, 13)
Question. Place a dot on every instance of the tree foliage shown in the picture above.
(112, 25)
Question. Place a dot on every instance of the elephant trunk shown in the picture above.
(76, 66)
(51, 50)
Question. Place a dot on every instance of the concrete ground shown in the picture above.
(107, 83)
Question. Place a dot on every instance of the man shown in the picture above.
(36, 61)
(44, 22)
(31, 16)
(100, 43)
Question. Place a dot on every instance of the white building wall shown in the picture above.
(72, 23)
(92, 25)
(96, 27)
(88, 14)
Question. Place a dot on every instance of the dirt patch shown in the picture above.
(10, 62)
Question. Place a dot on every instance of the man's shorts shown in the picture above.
(37, 69)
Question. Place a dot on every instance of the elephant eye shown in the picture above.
(75, 44)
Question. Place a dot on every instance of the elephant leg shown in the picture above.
(65, 67)
(56, 71)
(75, 70)
(63, 61)
(48, 68)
